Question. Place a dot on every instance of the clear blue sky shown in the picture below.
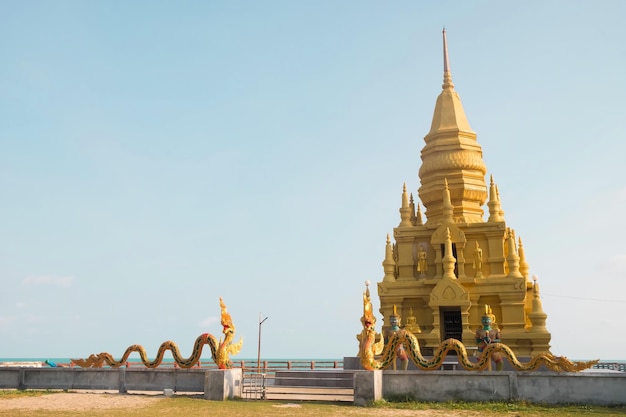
(156, 155)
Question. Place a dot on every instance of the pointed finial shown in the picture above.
(412, 207)
(418, 215)
(495, 210)
(523, 265)
(389, 263)
(405, 209)
(500, 212)
(535, 286)
(405, 196)
(446, 63)
(447, 75)
(537, 316)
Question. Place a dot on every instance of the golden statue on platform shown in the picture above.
(411, 323)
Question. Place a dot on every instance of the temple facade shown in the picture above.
(447, 265)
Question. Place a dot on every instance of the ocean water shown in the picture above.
(167, 360)
(236, 359)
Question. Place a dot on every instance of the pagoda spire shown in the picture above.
(452, 152)
(447, 75)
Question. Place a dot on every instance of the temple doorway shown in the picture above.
(452, 324)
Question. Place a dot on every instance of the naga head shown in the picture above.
(368, 320)
(227, 321)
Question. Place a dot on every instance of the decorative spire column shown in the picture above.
(418, 216)
(448, 259)
(389, 264)
(494, 203)
(523, 265)
(512, 258)
(537, 317)
(405, 210)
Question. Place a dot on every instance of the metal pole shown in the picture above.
(258, 360)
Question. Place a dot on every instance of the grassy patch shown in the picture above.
(520, 408)
(13, 393)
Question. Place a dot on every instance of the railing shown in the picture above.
(266, 366)
(260, 379)
(612, 366)
(269, 366)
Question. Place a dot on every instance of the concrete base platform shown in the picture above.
(597, 388)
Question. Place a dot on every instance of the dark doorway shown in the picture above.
(452, 324)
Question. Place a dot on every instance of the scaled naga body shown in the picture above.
(369, 349)
(220, 350)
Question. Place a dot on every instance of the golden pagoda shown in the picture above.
(443, 271)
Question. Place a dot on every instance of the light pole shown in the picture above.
(258, 360)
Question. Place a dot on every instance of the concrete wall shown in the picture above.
(598, 388)
(121, 379)
(536, 387)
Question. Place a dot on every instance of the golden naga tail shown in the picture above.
(220, 351)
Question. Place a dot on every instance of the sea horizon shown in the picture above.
(134, 358)
(208, 358)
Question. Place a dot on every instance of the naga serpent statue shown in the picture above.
(220, 350)
(369, 349)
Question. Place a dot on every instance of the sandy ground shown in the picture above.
(79, 401)
(90, 400)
